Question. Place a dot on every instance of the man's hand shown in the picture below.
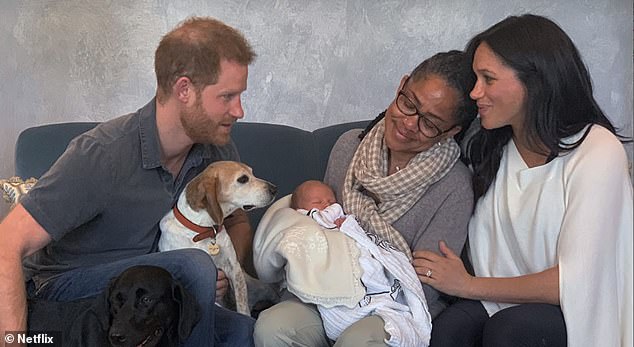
(222, 285)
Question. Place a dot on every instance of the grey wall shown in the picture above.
(320, 62)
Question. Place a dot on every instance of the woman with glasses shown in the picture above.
(551, 236)
(403, 180)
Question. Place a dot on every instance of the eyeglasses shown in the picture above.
(425, 125)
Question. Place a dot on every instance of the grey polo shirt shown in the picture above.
(104, 197)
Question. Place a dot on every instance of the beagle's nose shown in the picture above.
(272, 189)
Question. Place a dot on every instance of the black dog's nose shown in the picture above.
(272, 189)
(117, 338)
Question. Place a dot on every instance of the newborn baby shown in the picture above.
(317, 200)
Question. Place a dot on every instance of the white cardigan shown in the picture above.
(575, 211)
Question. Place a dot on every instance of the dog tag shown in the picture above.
(213, 248)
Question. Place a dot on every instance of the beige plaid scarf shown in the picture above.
(394, 194)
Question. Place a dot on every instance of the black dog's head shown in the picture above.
(149, 308)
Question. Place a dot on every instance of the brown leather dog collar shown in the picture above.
(202, 232)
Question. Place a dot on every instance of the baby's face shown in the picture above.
(317, 196)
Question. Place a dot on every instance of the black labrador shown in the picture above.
(143, 306)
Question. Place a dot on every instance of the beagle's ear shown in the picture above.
(195, 193)
(212, 189)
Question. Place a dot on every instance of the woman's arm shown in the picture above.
(441, 214)
(448, 275)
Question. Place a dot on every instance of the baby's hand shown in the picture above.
(339, 221)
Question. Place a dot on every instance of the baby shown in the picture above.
(317, 200)
(346, 272)
(393, 291)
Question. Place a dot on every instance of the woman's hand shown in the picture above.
(445, 272)
(222, 285)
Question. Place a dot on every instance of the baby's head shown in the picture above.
(312, 194)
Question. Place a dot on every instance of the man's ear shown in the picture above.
(184, 89)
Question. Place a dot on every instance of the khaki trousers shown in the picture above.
(293, 323)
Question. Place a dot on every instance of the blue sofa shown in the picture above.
(281, 154)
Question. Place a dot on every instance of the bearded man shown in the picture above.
(96, 211)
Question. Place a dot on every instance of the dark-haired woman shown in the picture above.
(405, 183)
(551, 236)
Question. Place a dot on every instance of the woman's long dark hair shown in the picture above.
(455, 68)
(559, 100)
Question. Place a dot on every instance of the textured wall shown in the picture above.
(320, 62)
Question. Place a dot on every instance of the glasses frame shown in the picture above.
(421, 117)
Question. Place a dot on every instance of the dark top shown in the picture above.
(104, 197)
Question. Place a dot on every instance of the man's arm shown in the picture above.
(21, 236)
(241, 234)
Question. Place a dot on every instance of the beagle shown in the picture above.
(196, 219)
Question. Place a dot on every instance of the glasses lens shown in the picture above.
(428, 128)
(405, 105)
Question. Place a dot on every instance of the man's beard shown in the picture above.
(199, 126)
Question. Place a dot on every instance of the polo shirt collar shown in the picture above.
(148, 136)
(150, 144)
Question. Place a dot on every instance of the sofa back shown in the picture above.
(285, 155)
(281, 154)
(37, 148)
